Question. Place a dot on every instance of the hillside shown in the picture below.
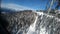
(18, 19)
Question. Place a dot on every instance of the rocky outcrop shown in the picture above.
(18, 20)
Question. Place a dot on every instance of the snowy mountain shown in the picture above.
(28, 21)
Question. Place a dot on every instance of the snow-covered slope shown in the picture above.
(45, 24)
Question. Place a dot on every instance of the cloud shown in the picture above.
(15, 6)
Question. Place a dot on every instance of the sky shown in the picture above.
(34, 4)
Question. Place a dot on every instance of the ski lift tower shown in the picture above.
(50, 6)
